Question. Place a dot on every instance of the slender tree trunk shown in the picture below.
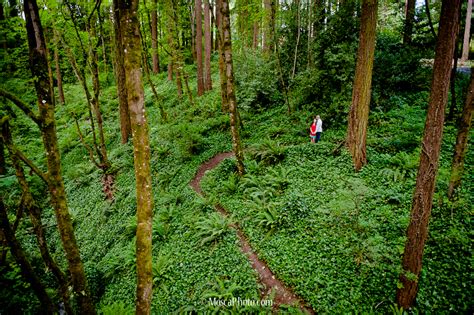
(39, 69)
(298, 18)
(460, 149)
(26, 269)
(141, 144)
(193, 34)
(428, 14)
(452, 82)
(233, 113)
(200, 79)
(59, 78)
(409, 19)
(467, 33)
(208, 47)
(170, 69)
(125, 128)
(222, 73)
(417, 231)
(154, 38)
(359, 111)
(255, 36)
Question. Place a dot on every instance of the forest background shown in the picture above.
(330, 222)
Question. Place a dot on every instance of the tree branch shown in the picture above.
(13, 150)
(21, 105)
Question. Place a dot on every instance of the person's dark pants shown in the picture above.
(318, 136)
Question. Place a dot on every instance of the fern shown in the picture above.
(212, 228)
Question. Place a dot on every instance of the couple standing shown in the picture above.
(316, 129)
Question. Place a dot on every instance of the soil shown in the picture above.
(270, 284)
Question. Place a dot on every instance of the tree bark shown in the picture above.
(200, 79)
(428, 14)
(409, 19)
(269, 31)
(39, 69)
(417, 231)
(467, 33)
(298, 18)
(26, 269)
(229, 71)
(141, 143)
(208, 47)
(452, 82)
(359, 111)
(125, 128)
(222, 73)
(59, 77)
(460, 149)
(154, 38)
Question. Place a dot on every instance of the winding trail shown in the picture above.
(270, 284)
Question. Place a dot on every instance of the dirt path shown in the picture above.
(282, 294)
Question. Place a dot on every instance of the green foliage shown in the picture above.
(212, 228)
(268, 152)
(117, 308)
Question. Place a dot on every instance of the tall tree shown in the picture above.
(141, 143)
(460, 148)
(200, 76)
(359, 111)
(39, 68)
(154, 38)
(417, 231)
(226, 48)
(125, 128)
(207, 46)
(269, 31)
(409, 20)
(467, 33)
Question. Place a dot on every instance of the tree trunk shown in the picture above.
(268, 34)
(229, 71)
(428, 14)
(298, 18)
(409, 19)
(467, 33)
(26, 269)
(460, 148)
(452, 81)
(59, 78)
(193, 34)
(141, 152)
(208, 47)
(39, 69)
(359, 111)
(154, 38)
(125, 128)
(417, 231)
(200, 79)
(222, 74)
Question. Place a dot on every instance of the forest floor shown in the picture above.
(271, 286)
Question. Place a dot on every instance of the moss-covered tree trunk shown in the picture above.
(208, 46)
(359, 111)
(417, 231)
(200, 75)
(39, 69)
(59, 78)
(460, 148)
(125, 129)
(220, 46)
(269, 30)
(230, 88)
(154, 38)
(141, 144)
